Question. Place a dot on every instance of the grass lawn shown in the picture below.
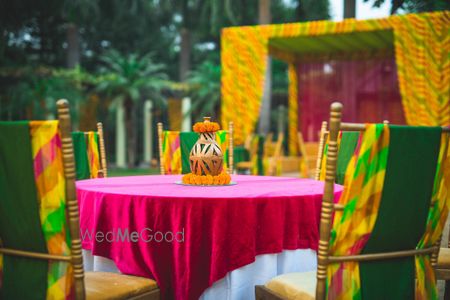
(132, 172)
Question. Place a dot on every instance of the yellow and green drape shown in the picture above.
(32, 211)
(87, 158)
(422, 47)
(395, 171)
(347, 142)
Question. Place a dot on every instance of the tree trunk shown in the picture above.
(264, 12)
(120, 135)
(73, 45)
(264, 117)
(349, 9)
(185, 53)
(131, 134)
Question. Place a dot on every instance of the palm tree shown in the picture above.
(129, 80)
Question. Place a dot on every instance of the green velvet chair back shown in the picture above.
(90, 156)
(383, 241)
(40, 245)
(87, 160)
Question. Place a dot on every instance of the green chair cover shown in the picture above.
(81, 156)
(347, 143)
(409, 164)
(187, 141)
(32, 210)
(240, 154)
(20, 226)
(408, 187)
(347, 146)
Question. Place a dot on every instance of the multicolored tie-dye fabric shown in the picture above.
(426, 282)
(93, 155)
(361, 199)
(222, 141)
(50, 184)
(172, 152)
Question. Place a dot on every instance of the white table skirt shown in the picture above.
(240, 283)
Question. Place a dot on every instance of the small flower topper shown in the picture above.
(221, 179)
(206, 126)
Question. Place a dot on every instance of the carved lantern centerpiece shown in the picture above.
(206, 157)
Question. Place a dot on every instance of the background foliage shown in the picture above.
(94, 52)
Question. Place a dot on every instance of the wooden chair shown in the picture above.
(383, 255)
(311, 153)
(274, 157)
(270, 155)
(443, 267)
(188, 145)
(308, 153)
(85, 155)
(24, 248)
(348, 141)
(252, 145)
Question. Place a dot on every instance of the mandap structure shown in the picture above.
(395, 69)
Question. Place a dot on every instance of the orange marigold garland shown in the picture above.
(221, 179)
(201, 127)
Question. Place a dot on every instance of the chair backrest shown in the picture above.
(175, 146)
(309, 153)
(273, 159)
(90, 157)
(347, 142)
(383, 240)
(39, 226)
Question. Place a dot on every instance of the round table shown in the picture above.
(189, 237)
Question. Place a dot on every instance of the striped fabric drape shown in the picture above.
(172, 152)
(50, 183)
(361, 200)
(425, 284)
(93, 153)
(346, 143)
(87, 157)
(222, 141)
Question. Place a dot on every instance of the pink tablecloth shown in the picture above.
(188, 237)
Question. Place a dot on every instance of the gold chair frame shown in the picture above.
(101, 142)
(328, 207)
(76, 257)
(230, 147)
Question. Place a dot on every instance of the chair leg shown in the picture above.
(447, 290)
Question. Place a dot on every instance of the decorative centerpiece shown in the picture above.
(206, 157)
